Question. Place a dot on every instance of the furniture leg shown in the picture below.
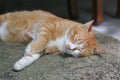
(97, 11)
(72, 8)
(118, 7)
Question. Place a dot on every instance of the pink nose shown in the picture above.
(68, 47)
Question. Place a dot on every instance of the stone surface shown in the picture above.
(63, 67)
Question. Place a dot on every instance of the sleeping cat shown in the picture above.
(46, 33)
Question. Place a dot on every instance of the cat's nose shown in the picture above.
(68, 47)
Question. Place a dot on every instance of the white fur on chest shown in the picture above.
(60, 43)
(3, 30)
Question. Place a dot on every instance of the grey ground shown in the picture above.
(63, 67)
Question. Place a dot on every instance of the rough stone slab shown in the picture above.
(62, 67)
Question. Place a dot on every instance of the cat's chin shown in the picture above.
(74, 53)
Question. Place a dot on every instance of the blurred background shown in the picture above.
(109, 26)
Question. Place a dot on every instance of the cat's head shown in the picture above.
(81, 41)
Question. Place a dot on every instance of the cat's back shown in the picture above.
(19, 23)
(31, 15)
(26, 19)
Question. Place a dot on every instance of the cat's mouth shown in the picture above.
(74, 52)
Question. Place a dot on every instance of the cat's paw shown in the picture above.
(17, 66)
(20, 64)
(25, 61)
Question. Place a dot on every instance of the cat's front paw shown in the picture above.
(25, 61)
(20, 64)
(17, 66)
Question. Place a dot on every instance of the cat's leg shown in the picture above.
(32, 52)
(25, 61)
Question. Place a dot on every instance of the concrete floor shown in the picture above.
(110, 25)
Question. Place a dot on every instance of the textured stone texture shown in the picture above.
(63, 67)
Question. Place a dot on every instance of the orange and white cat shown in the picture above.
(46, 33)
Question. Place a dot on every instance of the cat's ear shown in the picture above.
(88, 25)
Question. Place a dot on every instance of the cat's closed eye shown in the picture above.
(78, 40)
